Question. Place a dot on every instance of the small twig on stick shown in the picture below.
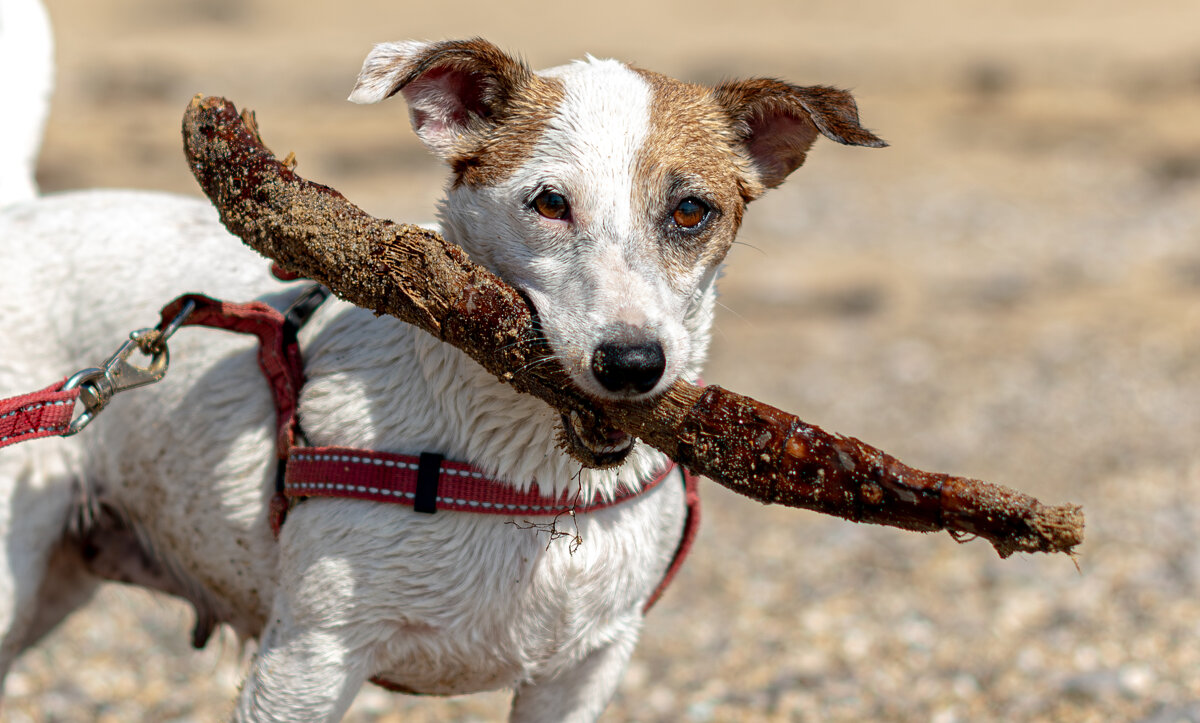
(749, 447)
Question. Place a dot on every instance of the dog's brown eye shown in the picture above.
(551, 205)
(690, 213)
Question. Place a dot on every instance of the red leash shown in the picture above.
(50, 412)
(46, 413)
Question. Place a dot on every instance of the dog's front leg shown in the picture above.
(580, 693)
(302, 672)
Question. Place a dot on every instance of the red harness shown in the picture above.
(428, 483)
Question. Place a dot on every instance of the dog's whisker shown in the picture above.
(535, 363)
(532, 343)
(738, 315)
(750, 246)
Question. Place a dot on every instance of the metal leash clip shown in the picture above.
(98, 385)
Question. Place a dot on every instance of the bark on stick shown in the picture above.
(749, 447)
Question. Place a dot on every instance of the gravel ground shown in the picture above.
(1010, 292)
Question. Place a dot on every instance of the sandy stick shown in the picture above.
(749, 447)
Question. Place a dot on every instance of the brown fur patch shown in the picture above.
(497, 72)
(693, 149)
(507, 142)
(777, 122)
(495, 104)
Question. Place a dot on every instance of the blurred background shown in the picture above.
(1011, 291)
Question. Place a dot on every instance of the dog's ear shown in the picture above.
(453, 88)
(778, 122)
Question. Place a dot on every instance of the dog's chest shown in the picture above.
(476, 602)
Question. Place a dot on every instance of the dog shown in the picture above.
(607, 194)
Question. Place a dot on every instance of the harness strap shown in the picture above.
(691, 525)
(278, 357)
(396, 478)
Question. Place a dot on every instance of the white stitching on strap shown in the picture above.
(39, 430)
(35, 406)
(337, 487)
(511, 507)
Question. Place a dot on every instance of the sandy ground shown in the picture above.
(1011, 292)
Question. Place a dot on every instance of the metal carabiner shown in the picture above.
(98, 385)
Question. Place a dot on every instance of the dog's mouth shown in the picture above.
(596, 448)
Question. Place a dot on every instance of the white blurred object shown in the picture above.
(26, 81)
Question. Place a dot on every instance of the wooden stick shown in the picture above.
(749, 447)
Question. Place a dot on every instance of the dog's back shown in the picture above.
(83, 270)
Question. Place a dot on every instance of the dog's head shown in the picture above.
(608, 194)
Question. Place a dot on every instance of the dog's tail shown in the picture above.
(26, 81)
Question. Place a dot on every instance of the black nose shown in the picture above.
(621, 366)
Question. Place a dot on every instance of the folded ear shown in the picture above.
(454, 88)
(778, 122)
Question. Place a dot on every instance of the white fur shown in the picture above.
(373, 87)
(26, 81)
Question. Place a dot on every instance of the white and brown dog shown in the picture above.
(607, 194)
